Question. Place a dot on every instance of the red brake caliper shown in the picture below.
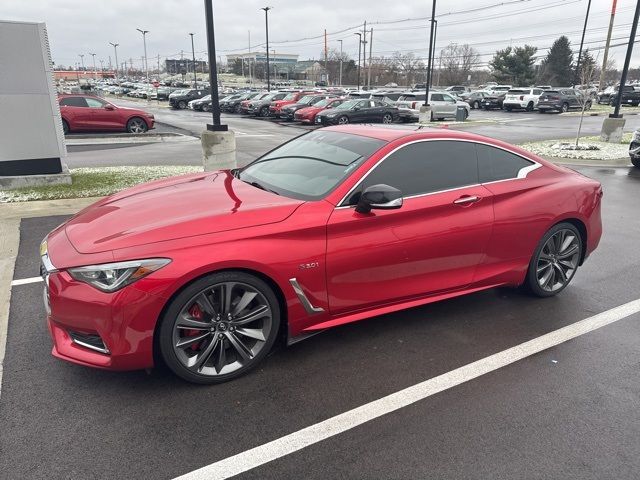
(196, 313)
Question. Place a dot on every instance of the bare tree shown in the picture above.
(456, 63)
(587, 75)
(407, 65)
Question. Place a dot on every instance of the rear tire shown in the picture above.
(182, 104)
(206, 108)
(387, 118)
(264, 112)
(635, 161)
(555, 260)
(476, 105)
(530, 107)
(564, 108)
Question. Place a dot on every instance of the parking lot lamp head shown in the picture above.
(213, 70)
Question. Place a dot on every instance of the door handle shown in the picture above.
(466, 200)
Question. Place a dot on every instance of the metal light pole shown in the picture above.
(266, 23)
(144, 41)
(627, 60)
(82, 60)
(115, 50)
(433, 58)
(359, 51)
(213, 70)
(340, 62)
(193, 53)
(433, 20)
(606, 47)
(94, 65)
(584, 29)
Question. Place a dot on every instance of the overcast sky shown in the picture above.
(297, 26)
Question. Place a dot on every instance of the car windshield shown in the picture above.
(349, 104)
(310, 166)
(306, 99)
(324, 102)
(290, 96)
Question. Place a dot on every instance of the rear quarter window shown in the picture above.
(497, 164)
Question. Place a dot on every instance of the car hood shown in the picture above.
(308, 110)
(331, 111)
(173, 208)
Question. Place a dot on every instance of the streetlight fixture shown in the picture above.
(359, 52)
(266, 23)
(115, 49)
(81, 59)
(213, 71)
(193, 53)
(144, 41)
(340, 62)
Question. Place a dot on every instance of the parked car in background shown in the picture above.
(233, 105)
(198, 103)
(522, 98)
(387, 97)
(442, 104)
(562, 100)
(474, 99)
(544, 87)
(182, 100)
(634, 149)
(499, 88)
(604, 97)
(357, 111)
(231, 98)
(260, 106)
(457, 89)
(288, 111)
(493, 101)
(308, 114)
(276, 106)
(82, 113)
(630, 96)
(244, 104)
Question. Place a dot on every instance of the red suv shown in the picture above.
(89, 113)
(293, 97)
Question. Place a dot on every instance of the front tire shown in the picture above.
(182, 105)
(206, 107)
(564, 108)
(264, 112)
(219, 327)
(136, 125)
(343, 120)
(387, 118)
(476, 105)
(635, 161)
(555, 260)
(530, 107)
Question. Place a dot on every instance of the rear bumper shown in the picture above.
(549, 106)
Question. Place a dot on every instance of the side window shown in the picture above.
(537, 92)
(449, 98)
(94, 103)
(437, 97)
(425, 167)
(497, 164)
(363, 104)
(73, 102)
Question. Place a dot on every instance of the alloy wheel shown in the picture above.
(387, 118)
(558, 260)
(222, 328)
(343, 120)
(137, 125)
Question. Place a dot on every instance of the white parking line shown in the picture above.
(24, 281)
(295, 441)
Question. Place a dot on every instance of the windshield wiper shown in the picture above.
(262, 187)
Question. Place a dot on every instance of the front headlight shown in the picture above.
(109, 277)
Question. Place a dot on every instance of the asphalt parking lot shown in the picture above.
(571, 411)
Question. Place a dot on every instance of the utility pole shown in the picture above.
(101, 68)
(326, 54)
(158, 66)
(81, 55)
(115, 50)
(193, 54)
(627, 60)
(606, 47)
(433, 57)
(370, 54)
(584, 29)
(266, 24)
(433, 18)
(340, 62)
(144, 41)
(359, 51)
(249, 66)
(110, 65)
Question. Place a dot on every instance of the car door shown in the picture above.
(432, 244)
(361, 111)
(450, 105)
(438, 105)
(76, 112)
(103, 115)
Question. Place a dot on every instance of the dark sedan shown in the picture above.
(354, 111)
(493, 101)
(260, 107)
(288, 112)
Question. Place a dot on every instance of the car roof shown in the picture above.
(390, 133)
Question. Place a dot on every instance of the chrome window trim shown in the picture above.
(522, 173)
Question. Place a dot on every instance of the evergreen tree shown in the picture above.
(557, 67)
(514, 65)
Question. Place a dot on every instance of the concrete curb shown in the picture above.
(158, 138)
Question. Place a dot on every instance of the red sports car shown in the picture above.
(208, 270)
(89, 113)
(308, 114)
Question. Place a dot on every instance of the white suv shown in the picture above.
(524, 98)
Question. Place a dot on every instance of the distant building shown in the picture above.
(311, 70)
(81, 75)
(259, 57)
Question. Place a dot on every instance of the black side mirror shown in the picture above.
(379, 197)
(355, 109)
